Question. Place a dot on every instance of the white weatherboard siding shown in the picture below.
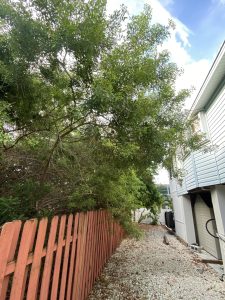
(216, 120)
(189, 171)
(202, 169)
(220, 159)
(206, 168)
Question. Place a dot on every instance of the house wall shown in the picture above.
(215, 116)
(183, 217)
(201, 169)
(204, 213)
(205, 168)
(220, 159)
(218, 201)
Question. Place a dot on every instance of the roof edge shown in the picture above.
(208, 78)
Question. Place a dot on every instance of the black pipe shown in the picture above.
(206, 226)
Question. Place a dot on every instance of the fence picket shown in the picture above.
(19, 277)
(100, 261)
(79, 245)
(48, 260)
(36, 265)
(58, 258)
(78, 257)
(15, 236)
(30, 250)
(81, 272)
(66, 257)
(72, 258)
(86, 255)
(92, 265)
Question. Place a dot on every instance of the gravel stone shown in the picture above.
(149, 269)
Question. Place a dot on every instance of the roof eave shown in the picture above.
(210, 84)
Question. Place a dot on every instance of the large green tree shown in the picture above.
(87, 102)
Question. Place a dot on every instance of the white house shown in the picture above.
(199, 195)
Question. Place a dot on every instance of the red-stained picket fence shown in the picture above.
(57, 259)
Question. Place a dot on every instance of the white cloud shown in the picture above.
(193, 77)
(167, 2)
(194, 71)
(134, 6)
(162, 16)
(222, 2)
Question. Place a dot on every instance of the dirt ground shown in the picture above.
(150, 269)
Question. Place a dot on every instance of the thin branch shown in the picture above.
(13, 130)
(71, 80)
(58, 140)
(22, 137)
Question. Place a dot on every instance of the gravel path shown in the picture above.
(149, 269)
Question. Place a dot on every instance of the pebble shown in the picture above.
(147, 269)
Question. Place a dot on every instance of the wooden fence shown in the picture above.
(60, 259)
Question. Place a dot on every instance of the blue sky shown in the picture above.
(206, 22)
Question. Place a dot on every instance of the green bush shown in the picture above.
(10, 209)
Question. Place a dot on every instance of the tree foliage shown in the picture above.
(87, 104)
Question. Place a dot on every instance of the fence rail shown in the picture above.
(57, 259)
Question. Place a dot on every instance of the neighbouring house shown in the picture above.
(199, 192)
(143, 215)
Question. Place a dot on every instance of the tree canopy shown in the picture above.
(87, 103)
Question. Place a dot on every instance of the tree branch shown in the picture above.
(20, 138)
(71, 80)
(58, 140)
